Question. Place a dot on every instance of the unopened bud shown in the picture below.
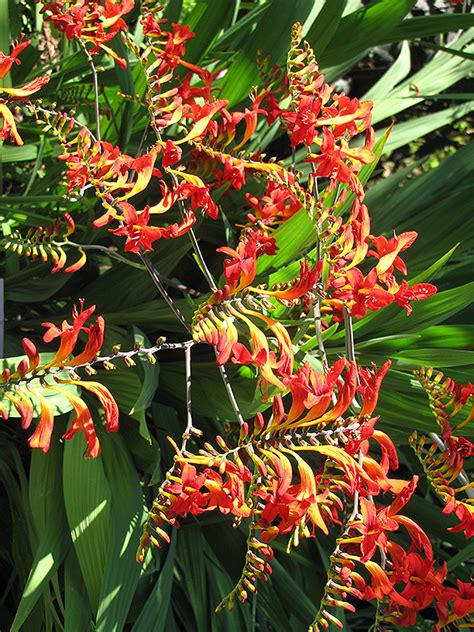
(221, 443)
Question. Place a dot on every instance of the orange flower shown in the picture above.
(90, 22)
(69, 335)
(7, 61)
(41, 438)
(8, 126)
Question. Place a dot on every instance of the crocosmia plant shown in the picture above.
(287, 443)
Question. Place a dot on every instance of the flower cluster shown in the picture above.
(90, 22)
(443, 459)
(14, 95)
(42, 243)
(35, 379)
(316, 460)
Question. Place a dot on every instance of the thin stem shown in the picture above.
(189, 405)
(317, 304)
(317, 320)
(109, 251)
(176, 284)
(143, 139)
(34, 107)
(230, 393)
(212, 284)
(355, 507)
(350, 353)
(191, 234)
(96, 87)
(349, 336)
(197, 251)
(254, 609)
(157, 281)
(41, 373)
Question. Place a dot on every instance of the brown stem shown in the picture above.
(189, 405)
(230, 393)
(157, 281)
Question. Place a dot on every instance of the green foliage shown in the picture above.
(71, 525)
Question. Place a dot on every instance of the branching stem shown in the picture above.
(230, 394)
(157, 281)
(191, 234)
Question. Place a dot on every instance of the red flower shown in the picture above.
(417, 292)
(171, 154)
(387, 252)
(90, 21)
(455, 603)
(8, 126)
(185, 493)
(277, 204)
(141, 236)
(360, 293)
(7, 61)
(69, 335)
(369, 386)
(340, 162)
(297, 288)
(241, 267)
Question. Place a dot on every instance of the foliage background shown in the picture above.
(69, 526)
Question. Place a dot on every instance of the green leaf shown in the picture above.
(274, 41)
(206, 20)
(121, 571)
(407, 132)
(325, 25)
(77, 612)
(87, 497)
(441, 72)
(11, 153)
(395, 73)
(47, 508)
(293, 237)
(427, 26)
(190, 557)
(36, 288)
(466, 554)
(429, 273)
(364, 28)
(154, 613)
(150, 384)
(23, 535)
